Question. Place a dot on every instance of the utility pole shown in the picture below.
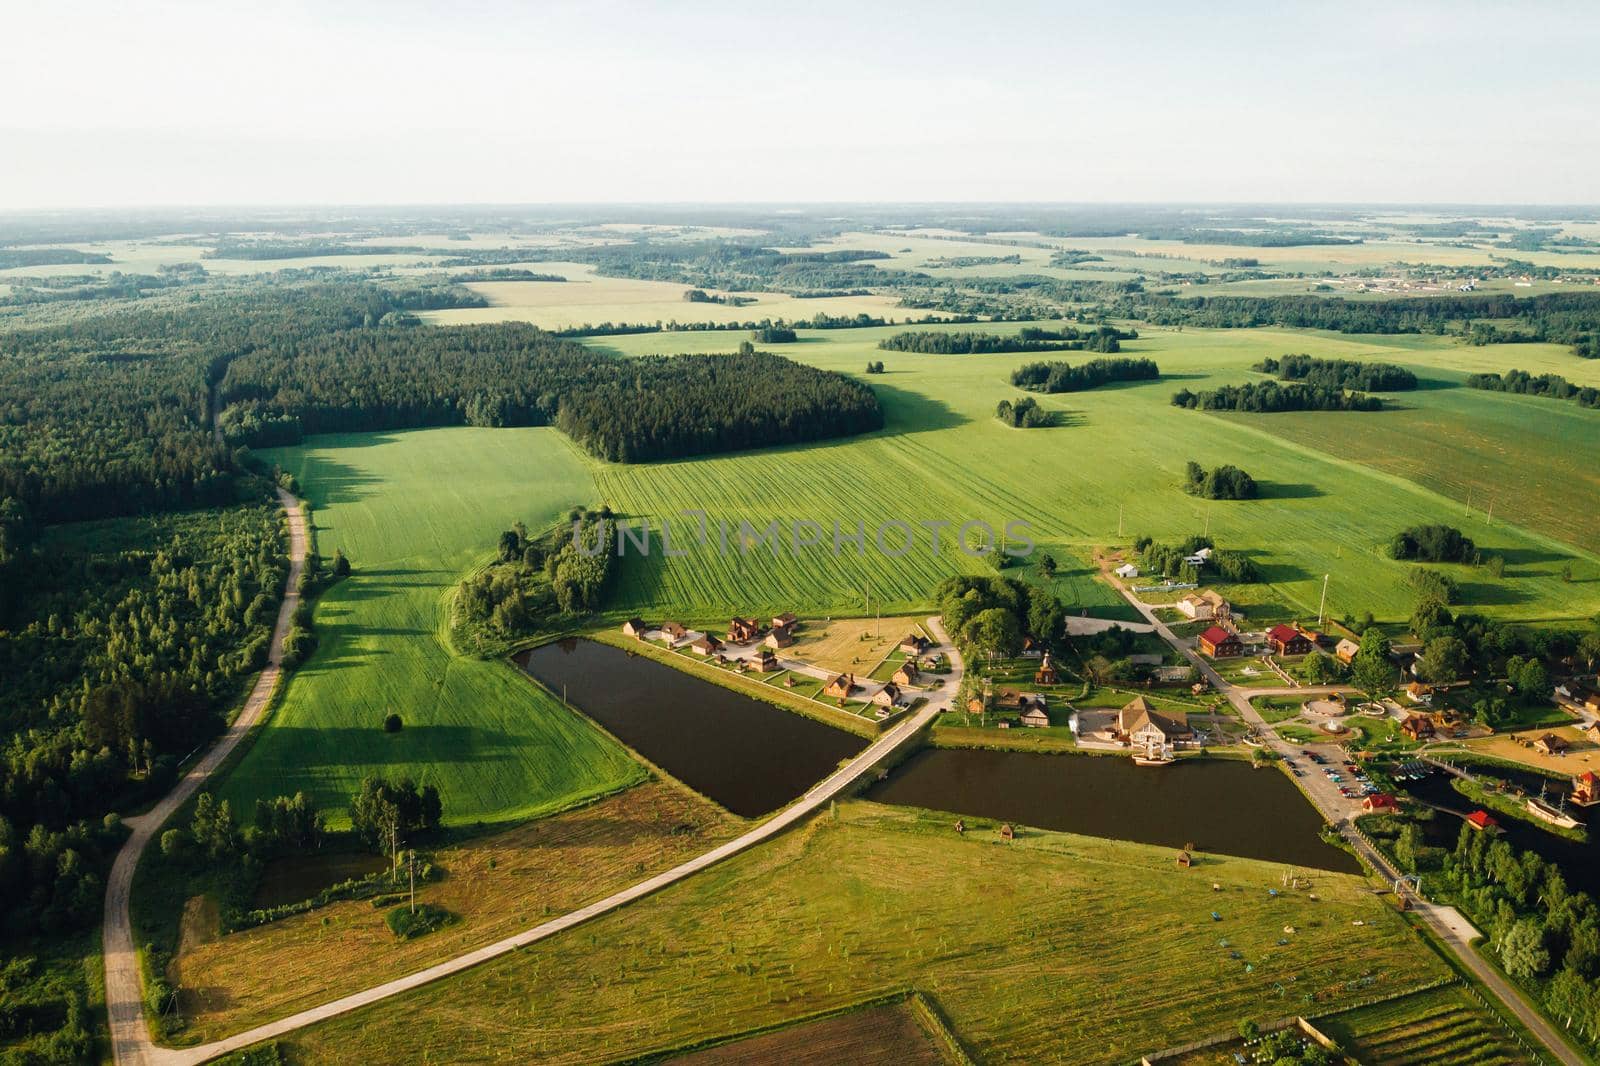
(1490, 516)
(1323, 603)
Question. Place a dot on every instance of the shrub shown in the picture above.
(392, 723)
(407, 924)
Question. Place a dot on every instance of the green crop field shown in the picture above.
(1047, 948)
(1328, 508)
(413, 511)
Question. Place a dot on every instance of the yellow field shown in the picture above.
(496, 884)
(1583, 754)
(588, 298)
(838, 646)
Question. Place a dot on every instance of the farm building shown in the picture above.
(1035, 717)
(766, 661)
(672, 632)
(906, 674)
(1199, 558)
(1288, 640)
(1220, 644)
(779, 638)
(840, 687)
(887, 696)
(1127, 570)
(1417, 726)
(1046, 674)
(1145, 726)
(706, 644)
(1550, 744)
(785, 621)
(915, 644)
(1011, 699)
(1345, 651)
(634, 627)
(1204, 606)
(744, 630)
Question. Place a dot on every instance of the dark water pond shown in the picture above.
(293, 878)
(1217, 804)
(749, 756)
(1579, 862)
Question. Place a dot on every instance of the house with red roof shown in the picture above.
(1380, 801)
(1585, 789)
(1220, 644)
(1288, 640)
(1483, 821)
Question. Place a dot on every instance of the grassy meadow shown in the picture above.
(413, 511)
(1044, 949)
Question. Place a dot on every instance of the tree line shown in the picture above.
(1064, 377)
(1033, 339)
(1523, 383)
(1269, 396)
(1348, 374)
(1571, 318)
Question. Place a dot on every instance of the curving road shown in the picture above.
(132, 1044)
(1453, 929)
(130, 1040)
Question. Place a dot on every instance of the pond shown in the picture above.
(747, 755)
(293, 878)
(1579, 862)
(1219, 805)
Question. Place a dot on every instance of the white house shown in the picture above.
(1203, 606)
(1127, 570)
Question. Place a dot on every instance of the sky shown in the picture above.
(401, 102)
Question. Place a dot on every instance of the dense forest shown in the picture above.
(1064, 377)
(1525, 384)
(1266, 396)
(743, 266)
(1104, 339)
(1221, 483)
(625, 410)
(1340, 373)
(108, 414)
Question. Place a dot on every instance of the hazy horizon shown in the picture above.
(179, 104)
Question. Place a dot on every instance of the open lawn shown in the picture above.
(413, 511)
(496, 885)
(852, 645)
(1040, 949)
(1582, 754)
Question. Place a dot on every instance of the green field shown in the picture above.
(1051, 948)
(1439, 1027)
(413, 511)
(942, 455)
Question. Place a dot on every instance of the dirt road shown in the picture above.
(130, 1040)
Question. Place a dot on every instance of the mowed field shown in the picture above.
(1046, 949)
(1328, 505)
(413, 511)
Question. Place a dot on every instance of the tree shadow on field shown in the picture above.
(907, 412)
(327, 481)
(1429, 385)
(1488, 594)
(1527, 556)
(1287, 490)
